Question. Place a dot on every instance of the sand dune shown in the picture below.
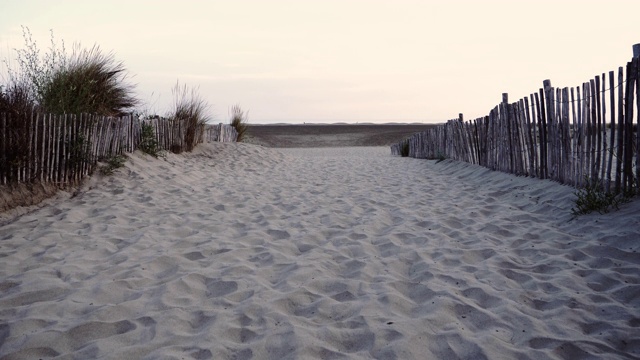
(242, 252)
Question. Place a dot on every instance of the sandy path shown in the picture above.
(243, 252)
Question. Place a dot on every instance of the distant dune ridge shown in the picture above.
(238, 251)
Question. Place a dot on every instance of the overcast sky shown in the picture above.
(341, 60)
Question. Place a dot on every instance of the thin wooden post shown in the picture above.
(612, 128)
(519, 139)
(636, 50)
(581, 138)
(551, 131)
(620, 144)
(3, 156)
(574, 141)
(543, 130)
(637, 76)
(86, 149)
(35, 171)
(603, 132)
(530, 148)
(28, 138)
(556, 103)
(63, 151)
(21, 137)
(53, 147)
(534, 135)
(41, 173)
(598, 118)
(76, 147)
(593, 122)
(46, 148)
(628, 129)
(566, 139)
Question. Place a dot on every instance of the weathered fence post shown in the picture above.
(636, 50)
(636, 56)
(4, 166)
(627, 179)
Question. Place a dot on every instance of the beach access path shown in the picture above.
(238, 251)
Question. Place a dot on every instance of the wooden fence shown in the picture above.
(568, 135)
(63, 149)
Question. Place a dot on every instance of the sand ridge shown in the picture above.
(242, 252)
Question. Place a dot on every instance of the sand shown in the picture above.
(242, 252)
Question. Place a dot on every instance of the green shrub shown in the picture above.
(148, 142)
(593, 197)
(441, 157)
(113, 163)
(404, 149)
(239, 121)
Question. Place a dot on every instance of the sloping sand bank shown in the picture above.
(243, 252)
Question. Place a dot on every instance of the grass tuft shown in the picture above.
(190, 109)
(90, 82)
(15, 99)
(239, 120)
(113, 163)
(592, 197)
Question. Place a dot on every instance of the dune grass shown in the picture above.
(90, 82)
(15, 98)
(592, 197)
(87, 81)
(191, 110)
(113, 164)
(239, 120)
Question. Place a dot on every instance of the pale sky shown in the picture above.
(341, 60)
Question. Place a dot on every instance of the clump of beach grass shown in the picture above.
(191, 110)
(90, 82)
(592, 197)
(87, 81)
(239, 121)
(113, 164)
(15, 99)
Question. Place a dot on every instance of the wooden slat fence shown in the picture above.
(567, 135)
(220, 133)
(63, 149)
